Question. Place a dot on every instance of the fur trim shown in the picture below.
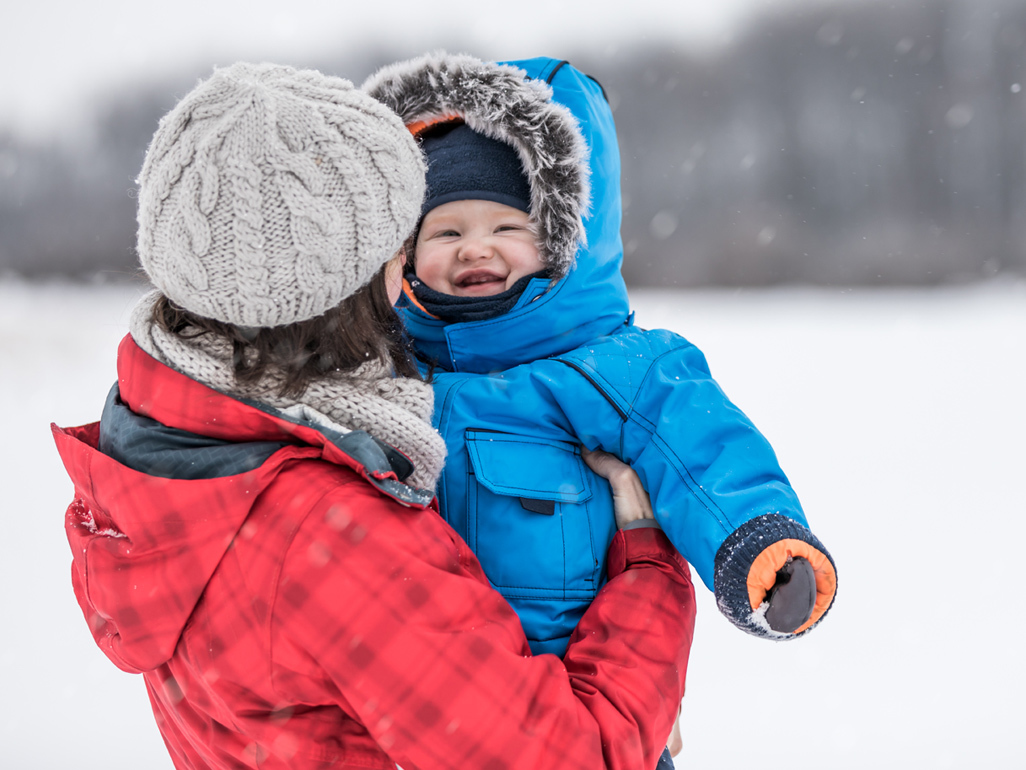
(500, 102)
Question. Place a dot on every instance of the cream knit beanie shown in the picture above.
(269, 194)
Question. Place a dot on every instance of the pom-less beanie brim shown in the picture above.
(466, 165)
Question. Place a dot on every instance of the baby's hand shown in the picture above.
(793, 596)
(630, 500)
(793, 579)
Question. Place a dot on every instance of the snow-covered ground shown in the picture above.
(900, 417)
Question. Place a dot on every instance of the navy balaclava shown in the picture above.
(465, 165)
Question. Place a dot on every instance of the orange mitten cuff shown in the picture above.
(763, 575)
(746, 569)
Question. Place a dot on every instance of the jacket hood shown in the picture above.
(498, 101)
(163, 485)
(558, 120)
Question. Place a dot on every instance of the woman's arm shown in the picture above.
(633, 510)
(402, 623)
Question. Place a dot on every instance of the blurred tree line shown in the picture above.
(861, 144)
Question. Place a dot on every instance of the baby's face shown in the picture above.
(475, 248)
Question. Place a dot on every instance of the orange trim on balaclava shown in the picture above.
(421, 126)
(408, 291)
(763, 575)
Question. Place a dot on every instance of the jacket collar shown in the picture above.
(145, 545)
(181, 409)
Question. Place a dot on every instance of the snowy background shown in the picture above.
(60, 55)
(764, 142)
(899, 416)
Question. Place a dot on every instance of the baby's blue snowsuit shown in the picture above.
(516, 396)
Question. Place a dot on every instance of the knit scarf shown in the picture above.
(396, 410)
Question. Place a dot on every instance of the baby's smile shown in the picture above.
(481, 283)
(475, 248)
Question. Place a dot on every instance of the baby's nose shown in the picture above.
(476, 248)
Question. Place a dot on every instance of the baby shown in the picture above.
(515, 300)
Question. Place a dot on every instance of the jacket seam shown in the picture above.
(86, 572)
(555, 70)
(690, 483)
(579, 368)
(651, 368)
(654, 437)
(443, 420)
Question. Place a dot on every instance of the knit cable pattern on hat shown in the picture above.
(270, 194)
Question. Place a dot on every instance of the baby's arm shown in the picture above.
(716, 487)
(790, 585)
(771, 575)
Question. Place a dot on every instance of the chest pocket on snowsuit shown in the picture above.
(530, 517)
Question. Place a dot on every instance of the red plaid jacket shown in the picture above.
(296, 616)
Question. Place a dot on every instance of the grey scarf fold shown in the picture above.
(396, 410)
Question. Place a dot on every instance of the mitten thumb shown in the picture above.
(765, 564)
(793, 597)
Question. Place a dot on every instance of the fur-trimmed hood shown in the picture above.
(558, 120)
(498, 101)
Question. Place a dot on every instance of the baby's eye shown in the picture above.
(505, 228)
(446, 234)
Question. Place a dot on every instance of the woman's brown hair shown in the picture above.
(363, 327)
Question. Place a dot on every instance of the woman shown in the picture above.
(253, 529)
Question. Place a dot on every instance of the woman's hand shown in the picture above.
(630, 500)
(676, 742)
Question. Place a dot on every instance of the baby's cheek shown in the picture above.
(431, 271)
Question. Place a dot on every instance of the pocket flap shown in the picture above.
(523, 466)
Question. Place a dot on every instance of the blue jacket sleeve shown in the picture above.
(715, 484)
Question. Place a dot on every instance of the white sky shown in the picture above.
(55, 53)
